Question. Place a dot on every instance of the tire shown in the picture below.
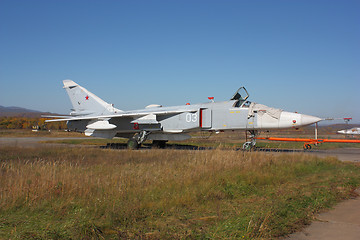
(132, 144)
(247, 146)
(307, 147)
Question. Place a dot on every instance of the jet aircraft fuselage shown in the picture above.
(100, 119)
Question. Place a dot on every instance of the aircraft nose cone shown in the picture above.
(295, 120)
(308, 120)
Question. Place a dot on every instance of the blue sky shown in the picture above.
(296, 55)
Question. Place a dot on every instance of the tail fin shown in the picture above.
(86, 103)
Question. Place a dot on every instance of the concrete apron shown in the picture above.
(342, 222)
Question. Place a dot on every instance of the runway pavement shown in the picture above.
(343, 154)
(29, 141)
(342, 222)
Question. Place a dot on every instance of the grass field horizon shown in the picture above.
(90, 193)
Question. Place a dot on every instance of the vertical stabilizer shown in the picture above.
(86, 103)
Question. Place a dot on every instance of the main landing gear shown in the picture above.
(249, 145)
(136, 141)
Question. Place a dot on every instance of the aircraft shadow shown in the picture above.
(193, 147)
(186, 147)
(149, 146)
(115, 146)
(277, 150)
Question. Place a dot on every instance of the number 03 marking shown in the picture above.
(191, 117)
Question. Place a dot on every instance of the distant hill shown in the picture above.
(21, 112)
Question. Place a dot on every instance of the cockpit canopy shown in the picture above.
(241, 95)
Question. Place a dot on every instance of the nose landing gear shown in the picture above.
(249, 145)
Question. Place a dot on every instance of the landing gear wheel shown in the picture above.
(132, 144)
(307, 147)
(159, 144)
(248, 146)
(136, 141)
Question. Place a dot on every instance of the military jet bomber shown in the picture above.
(97, 118)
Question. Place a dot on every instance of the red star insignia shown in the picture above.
(87, 97)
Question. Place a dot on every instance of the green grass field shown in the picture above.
(86, 193)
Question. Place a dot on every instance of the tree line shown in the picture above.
(29, 123)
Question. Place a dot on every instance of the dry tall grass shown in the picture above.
(75, 193)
